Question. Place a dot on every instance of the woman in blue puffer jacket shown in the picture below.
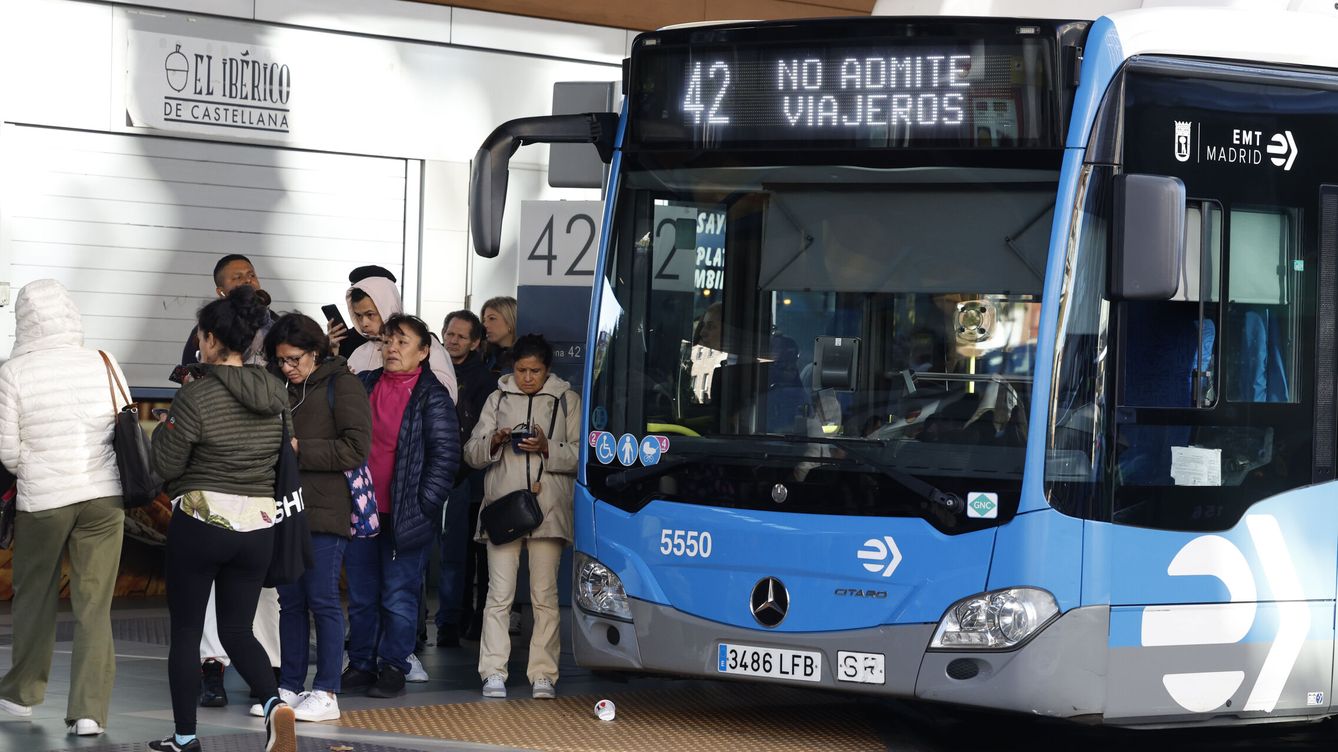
(415, 452)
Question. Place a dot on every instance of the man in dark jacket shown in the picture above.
(461, 557)
(231, 271)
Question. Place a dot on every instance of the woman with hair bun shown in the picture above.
(216, 452)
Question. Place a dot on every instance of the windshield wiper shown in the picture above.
(624, 478)
(946, 499)
(950, 501)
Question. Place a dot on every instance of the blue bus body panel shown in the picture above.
(841, 572)
(583, 503)
(1285, 548)
(1239, 621)
(1102, 57)
(1040, 549)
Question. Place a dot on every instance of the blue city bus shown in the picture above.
(985, 361)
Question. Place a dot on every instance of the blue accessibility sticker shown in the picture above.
(650, 451)
(604, 447)
(599, 418)
(627, 449)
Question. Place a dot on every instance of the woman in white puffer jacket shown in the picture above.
(56, 415)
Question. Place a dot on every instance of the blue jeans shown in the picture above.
(317, 592)
(383, 592)
(454, 541)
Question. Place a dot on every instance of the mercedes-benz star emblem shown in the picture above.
(770, 602)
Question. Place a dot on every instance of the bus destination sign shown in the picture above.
(953, 93)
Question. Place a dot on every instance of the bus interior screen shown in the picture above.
(935, 93)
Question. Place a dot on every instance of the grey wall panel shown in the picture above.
(133, 227)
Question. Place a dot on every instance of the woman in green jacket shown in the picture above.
(216, 452)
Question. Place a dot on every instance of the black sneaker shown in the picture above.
(212, 693)
(281, 729)
(170, 745)
(355, 680)
(390, 683)
(448, 636)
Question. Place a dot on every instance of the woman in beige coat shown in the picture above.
(545, 463)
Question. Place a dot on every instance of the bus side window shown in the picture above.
(1173, 344)
(1263, 312)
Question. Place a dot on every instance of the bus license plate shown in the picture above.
(860, 668)
(773, 663)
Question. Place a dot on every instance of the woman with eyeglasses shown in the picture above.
(332, 432)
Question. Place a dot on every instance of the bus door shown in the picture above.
(1213, 535)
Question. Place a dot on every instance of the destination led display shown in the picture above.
(963, 93)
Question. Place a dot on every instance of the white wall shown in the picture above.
(63, 64)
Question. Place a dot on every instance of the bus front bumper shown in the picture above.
(1060, 672)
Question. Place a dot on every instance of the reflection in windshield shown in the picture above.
(893, 307)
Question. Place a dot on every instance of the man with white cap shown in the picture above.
(371, 300)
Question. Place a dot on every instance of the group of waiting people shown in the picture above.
(400, 409)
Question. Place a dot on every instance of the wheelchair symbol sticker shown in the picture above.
(604, 447)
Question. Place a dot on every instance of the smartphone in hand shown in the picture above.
(180, 373)
(332, 314)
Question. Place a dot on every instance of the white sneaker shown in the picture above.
(495, 686)
(416, 671)
(543, 689)
(318, 705)
(287, 696)
(13, 708)
(86, 727)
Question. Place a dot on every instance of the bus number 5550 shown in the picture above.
(690, 543)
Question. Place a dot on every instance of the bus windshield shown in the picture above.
(815, 325)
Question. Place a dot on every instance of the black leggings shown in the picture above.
(200, 555)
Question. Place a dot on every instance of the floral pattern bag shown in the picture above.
(364, 520)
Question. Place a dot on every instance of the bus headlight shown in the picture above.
(599, 591)
(998, 619)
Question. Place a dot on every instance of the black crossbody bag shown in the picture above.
(518, 513)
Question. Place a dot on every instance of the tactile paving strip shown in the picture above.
(151, 630)
(247, 743)
(731, 718)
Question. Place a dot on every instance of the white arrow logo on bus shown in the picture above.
(1284, 146)
(880, 555)
(1228, 623)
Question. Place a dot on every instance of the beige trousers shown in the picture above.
(546, 641)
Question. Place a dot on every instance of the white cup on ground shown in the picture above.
(604, 710)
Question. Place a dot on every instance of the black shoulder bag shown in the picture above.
(139, 484)
(517, 513)
(292, 534)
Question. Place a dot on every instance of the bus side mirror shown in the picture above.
(1148, 247)
(488, 177)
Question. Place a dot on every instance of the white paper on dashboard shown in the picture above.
(1196, 466)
